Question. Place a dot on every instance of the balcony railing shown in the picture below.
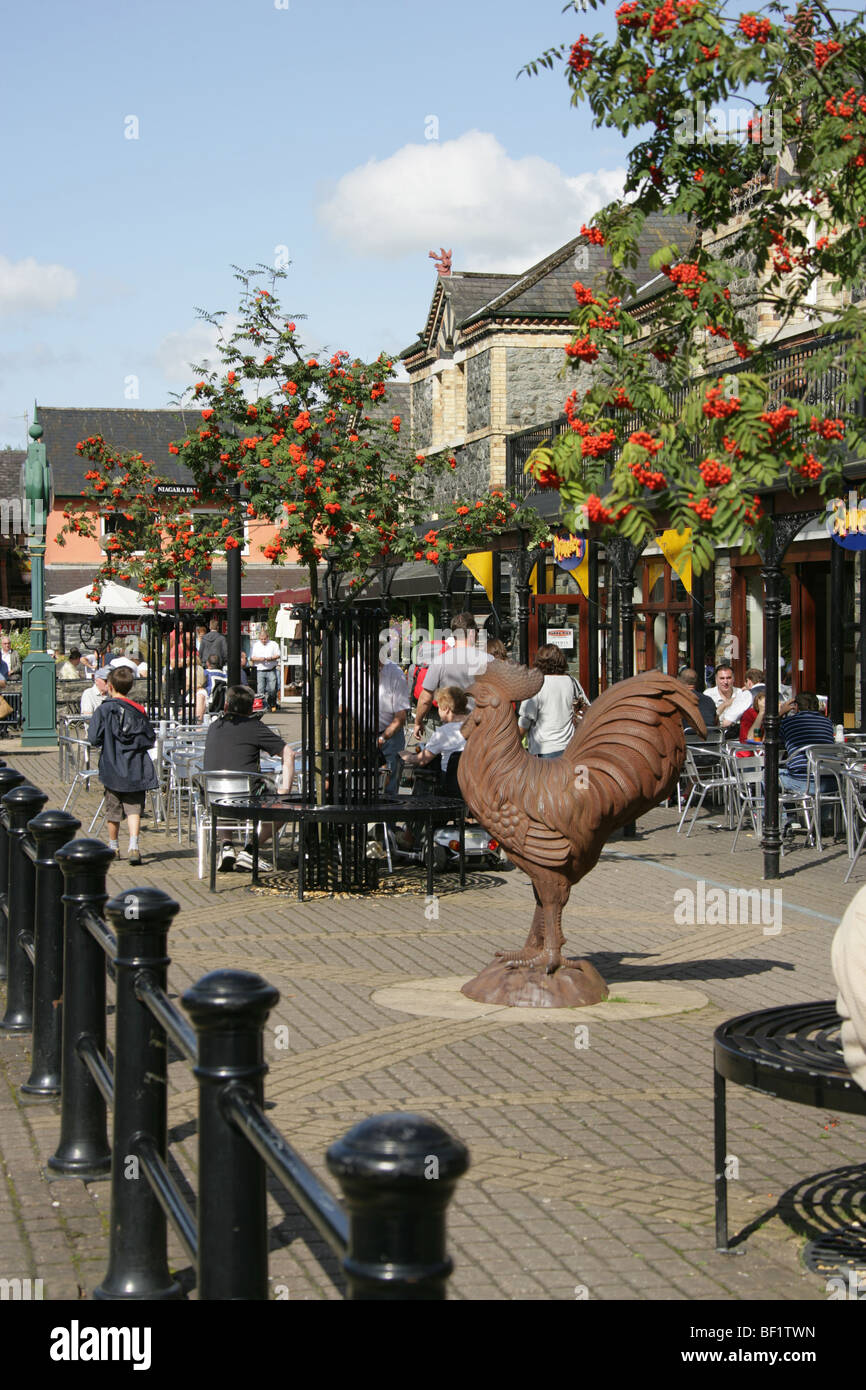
(788, 377)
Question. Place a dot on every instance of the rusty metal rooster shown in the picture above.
(553, 816)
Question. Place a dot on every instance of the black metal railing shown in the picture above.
(397, 1172)
(788, 376)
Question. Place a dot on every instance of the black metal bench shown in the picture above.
(794, 1053)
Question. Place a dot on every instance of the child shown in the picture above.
(448, 738)
(123, 732)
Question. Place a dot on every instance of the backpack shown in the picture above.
(218, 697)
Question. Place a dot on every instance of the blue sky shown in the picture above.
(359, 136)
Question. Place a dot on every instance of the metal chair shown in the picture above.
(184, 765)
(855, 796)
(748, 774)
(704, 781)
(220, 787)
(826, 761)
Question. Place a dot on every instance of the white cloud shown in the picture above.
(498, 213)
(28, 287)
(194, 346)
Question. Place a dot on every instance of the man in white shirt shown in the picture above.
(730, 702)
(461, 665)
(393, 708)
(93, 698)
(265, 657)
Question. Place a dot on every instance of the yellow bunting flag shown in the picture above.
(672, 544)
(480, 566)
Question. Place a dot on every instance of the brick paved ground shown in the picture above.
(590, 1167)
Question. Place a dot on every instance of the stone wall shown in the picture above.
(471, 477)
(478, 392)
(422, 413)
(535, 390)
(724, 646)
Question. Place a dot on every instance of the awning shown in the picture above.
(114, 599)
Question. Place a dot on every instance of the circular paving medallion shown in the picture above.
(441, 998)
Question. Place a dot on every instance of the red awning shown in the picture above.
(292, 596)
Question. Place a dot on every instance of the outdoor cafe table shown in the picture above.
(289, 810)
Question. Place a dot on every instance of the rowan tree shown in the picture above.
(302, 441)
(777, 202)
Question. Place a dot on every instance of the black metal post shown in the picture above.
(699, 629)
(613, 625)
(496, 589)
(19, 806)
(83, 1150)
(51, 830)
(176, 677)
(836, 692)
(138, 1263)
(445, 576)
(233, 598)
(772, 841)
(524, 563)
(592, 622)
(229, 1009)
(398, 1174)
(9, 778)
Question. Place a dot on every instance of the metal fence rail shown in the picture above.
(397, 1172)
(789, 375)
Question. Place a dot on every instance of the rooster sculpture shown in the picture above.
(553, 816)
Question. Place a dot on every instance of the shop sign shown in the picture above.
(569, 551)
(846, 525)
(561, 637)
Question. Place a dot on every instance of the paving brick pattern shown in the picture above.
(592, 1169)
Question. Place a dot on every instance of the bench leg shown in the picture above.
(720, 1146)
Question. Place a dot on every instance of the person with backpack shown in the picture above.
(124, 735)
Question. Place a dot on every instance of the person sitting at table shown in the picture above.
(9, 658)
(71, 669)
(94, 696)
(706, 706)
(800, 725)
(731, 703)
(234, 742)
(752, 722)
(448, 738)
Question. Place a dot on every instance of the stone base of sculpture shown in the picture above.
(574, 985)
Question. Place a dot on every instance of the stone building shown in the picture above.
(489, 360)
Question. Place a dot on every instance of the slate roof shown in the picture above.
(148, 432)
(11, 463)
(545, 290)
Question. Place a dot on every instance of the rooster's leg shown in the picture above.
(544, 944)
(534, 941)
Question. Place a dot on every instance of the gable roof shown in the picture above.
(463, 301)
(147, 432)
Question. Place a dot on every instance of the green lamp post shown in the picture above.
(38, 672)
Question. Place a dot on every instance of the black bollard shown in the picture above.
(229, 1009)
(83, 1150)
(398, 1174)
(19, 806)
(50, 830)
(9, 778)
(138, 1262)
